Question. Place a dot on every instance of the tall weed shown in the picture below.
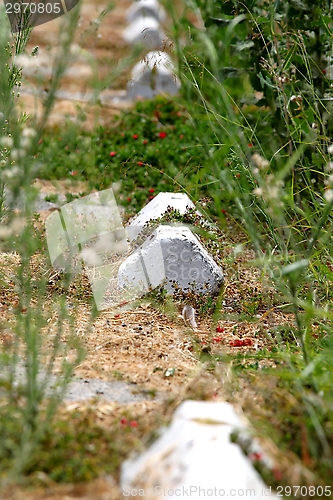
(259, 71)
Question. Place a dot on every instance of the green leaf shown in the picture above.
(229, 72)
(295, 266)
(265, 81)
(244, 45)
(214, 21)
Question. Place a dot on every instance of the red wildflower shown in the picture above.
(124, 421)
(277, 474)
(223, 211)
(113, 153)
(219, 329)
(128, 199)
(217, 339)
(140, 163)
(256, 456)
(250, 145)
(162, 135)
(151, 190)
(241, 342)
(135, 136)
(238, 176)
(151, 197)
(145, 142)
(133, 423)
(73, 172)
(181, 136)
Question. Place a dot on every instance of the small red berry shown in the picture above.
(162, 135)
(140, 163)
(277, 474)
(219, 329)
(135, 136)
(123, 421)
(133, 423)
(145, 142)
(223, 211)
(181, 136)
(151, 190)
(250, 145)
(238, 176)
(151, 197)
(129, 199)
(113, 153)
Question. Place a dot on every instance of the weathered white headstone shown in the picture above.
(155, 74)
(195, 458)
(145, 30)
(145, 8)
(173, 256)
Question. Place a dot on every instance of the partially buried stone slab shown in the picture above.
(154, 75)
(172, 256)
(145, 8)
(195, 458)
(156, 208)
(145, 30)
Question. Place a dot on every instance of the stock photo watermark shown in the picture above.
(199, 492)
(27, 14)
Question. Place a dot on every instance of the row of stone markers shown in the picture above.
(195, 455)
(155, 74)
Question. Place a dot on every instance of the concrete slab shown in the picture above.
(154, 75)
(156, 208)
(173, 256)
(146, 8)
(195, 457)
(145, 30)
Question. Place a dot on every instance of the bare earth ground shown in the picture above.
(138, 346)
